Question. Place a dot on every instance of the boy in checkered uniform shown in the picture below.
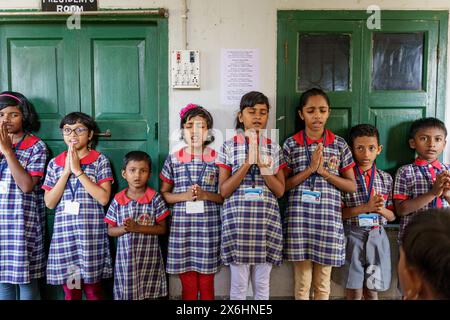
(77, 186)
(367, 267)
(22, 210)
(425, 183)
(137, 216)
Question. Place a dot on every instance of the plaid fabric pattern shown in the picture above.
(194, 240)
(251, 230)
(139, 268)
(22, 218)
(382, 184)
(315, 231)
(409, 184)
(80, 242)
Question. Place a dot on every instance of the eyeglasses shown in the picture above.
(78, 131)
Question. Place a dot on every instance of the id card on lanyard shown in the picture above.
(311, 196)
(434, 203)
(72, 206)
(367, 219)
(4, 185)
(253, 193)
(197, 206)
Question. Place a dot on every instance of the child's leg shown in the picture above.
(93, 291)
(29, 291)
(206, 286)
(353, 294)
(370, 294)
(8, 291)
(261, 281)
(302, 275)
(189, 284)
(321, 281)
(72, 294)
(239, 281)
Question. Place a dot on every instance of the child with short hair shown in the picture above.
(367, 267)
(137, 216)
(424, 184)
(424, 265)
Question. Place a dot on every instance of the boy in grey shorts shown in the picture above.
(367, 267)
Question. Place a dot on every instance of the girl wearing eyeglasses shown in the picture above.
(77, 186)
(22, 164)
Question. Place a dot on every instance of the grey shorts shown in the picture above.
(367, 259)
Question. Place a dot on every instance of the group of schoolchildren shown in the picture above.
(223, 207)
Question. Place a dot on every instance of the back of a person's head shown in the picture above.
(426, 244)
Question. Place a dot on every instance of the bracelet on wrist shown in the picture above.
(79, 175)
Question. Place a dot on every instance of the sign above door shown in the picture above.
(69, 5)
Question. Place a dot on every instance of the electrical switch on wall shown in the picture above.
(185, 66)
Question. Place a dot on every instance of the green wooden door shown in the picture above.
(113, 71)
(388, 77)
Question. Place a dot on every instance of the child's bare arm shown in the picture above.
(275, 182)
(388, 214)
(171, 198)
(295, 180)
(206, 195)
(159, 228)
(21, 177)
(116, 231)
(101, 192)
(53, 196)
(346, 183)
(228, 182)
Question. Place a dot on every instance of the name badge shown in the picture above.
(71, 207)
(368, 220)
(253, 194)
(3, 187)
(309, 196)
(195, 206)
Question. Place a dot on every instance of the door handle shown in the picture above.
(106, 134)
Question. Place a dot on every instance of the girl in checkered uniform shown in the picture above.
(22, 212)
(190, 183)
(137, 216)
(251, 180)
(317, 172)
(77, 186)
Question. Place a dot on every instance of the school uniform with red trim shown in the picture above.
(251, 230)
(80, 241)
(22, 218)
(194, 240)
(315, 231)
(139, 268)
(411, 183)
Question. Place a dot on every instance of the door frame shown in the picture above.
(284, 17)
(157, 17)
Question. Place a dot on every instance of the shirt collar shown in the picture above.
(28, 142)
(146, 198)
(420, 162)
(368, 172)
(209, 155)
(329, 139)
(91, 157)
(241, 139)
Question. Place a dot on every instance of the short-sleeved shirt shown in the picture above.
(22, 217)
(315, 231)
(382, 184)
(194, 240)
(410, 183)
(79, 245)
(139, 268)
(251, 230)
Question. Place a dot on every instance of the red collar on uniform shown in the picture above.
(368, 172)
(123, 200)
(421, 162)
(28, 142)
(183, 156)
(241, 139)
(299, 138)
(92, 156)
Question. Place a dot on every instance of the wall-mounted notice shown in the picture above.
(239, 74)
(69, 6)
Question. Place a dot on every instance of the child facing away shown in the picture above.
(190, 183)
(251, 179)
(425, 183)
(424, 265)
(22, 211)
(137, 216)
(77, 186)
(319, 164)
(367, 267)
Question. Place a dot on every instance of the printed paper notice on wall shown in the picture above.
(239, 74)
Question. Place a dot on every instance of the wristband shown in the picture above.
(79, 175)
